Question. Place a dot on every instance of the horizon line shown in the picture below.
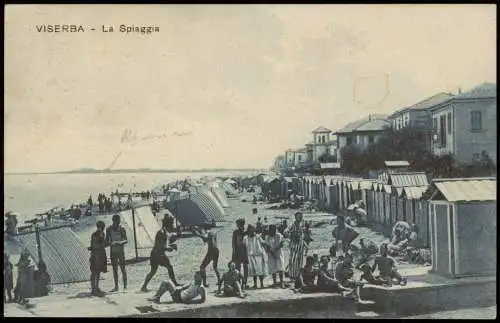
(152, 170)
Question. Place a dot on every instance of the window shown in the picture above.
(475, 121)
(371, 139)
(449, 123)
(300, 157)
(442, 130)
(434, 124)
(349, 140)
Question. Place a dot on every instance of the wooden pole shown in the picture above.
(38, 243)
(135, 234)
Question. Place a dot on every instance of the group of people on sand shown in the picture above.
(257, 253)
(30, 283)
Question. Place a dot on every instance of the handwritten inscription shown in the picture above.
(132, 138)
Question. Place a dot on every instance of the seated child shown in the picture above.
(306, 279)
(387, 267)
(231, 282)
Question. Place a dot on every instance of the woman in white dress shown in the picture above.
(275, 259)
(257, 266)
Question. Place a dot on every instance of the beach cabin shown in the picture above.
(330, 168)
(365, 187)
(370, 203)
(334, 195)
(387, 218)
(463, 216)
(306, 188)
(417, 211)
(343, 194)
(396, 166)
(397, 209)
(275, 188)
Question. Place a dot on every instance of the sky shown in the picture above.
(222, 86)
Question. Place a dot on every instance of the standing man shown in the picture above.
(158, 257)
(98, 259)
(240, 256)
(116, 238)
(212, 255)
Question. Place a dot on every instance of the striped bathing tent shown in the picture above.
(199, 209)
(146, 227)
(209, 204)
(229, 188)
(220, 195)
(66, 257)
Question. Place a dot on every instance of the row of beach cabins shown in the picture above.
(455, 217)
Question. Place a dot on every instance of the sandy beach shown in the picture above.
(191, 250)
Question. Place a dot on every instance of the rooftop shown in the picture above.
(408, 179)
(321, 129)
(485, 90)
(414, 192)
(374, 122)
(396, 163)
(330, 165)
(472, 189)
(427, 103)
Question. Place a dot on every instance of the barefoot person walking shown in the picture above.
(212, 255)
(116, 238)
(158, 257)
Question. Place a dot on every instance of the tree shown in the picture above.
(351, 157)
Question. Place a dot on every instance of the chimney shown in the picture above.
(370, 117)
(459, 90)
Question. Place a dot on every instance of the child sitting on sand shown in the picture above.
(230, 285)
(306, 280)
(387, 267)
(344, 273)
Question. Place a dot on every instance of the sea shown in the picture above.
(27, 195)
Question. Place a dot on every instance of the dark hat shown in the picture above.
(116, 217)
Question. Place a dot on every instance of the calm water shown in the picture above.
(29, 194)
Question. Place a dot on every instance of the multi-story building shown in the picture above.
(466, 125)
(300, 157)
(290, 158)
(362, 133)
(417, 115)
(320, 145)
